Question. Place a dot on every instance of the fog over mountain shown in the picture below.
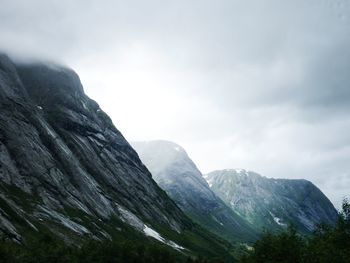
(256, 202)
(61, 153)
(67, 174)
(265, 84)
(174, 171)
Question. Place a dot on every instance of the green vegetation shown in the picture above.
(328, 244)
(46, 245)
(48, 248)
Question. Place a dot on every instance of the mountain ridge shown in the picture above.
(66, 169)
(272, 203)
(177, 174)
(48, 106)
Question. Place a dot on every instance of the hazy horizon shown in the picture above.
(252, 85)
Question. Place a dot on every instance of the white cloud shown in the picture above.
(251, 84)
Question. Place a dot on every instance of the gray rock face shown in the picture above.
(62, 161)
(272, 204)
(176, 173)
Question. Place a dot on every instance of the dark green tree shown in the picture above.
(328, 244)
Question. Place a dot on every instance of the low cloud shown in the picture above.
(258, 85)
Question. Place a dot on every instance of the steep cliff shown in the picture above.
(176, 173)
(65, 168)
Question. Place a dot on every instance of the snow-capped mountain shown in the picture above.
(176, 173)
(272, 204)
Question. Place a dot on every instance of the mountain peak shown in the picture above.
(63, 153)
(161, 144)
(272, 203)
(176, 173)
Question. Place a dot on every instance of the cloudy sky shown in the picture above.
(260, 85)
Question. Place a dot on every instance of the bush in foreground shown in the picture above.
(328, 244)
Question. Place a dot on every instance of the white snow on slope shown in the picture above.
(152, 233)
(174, 245)
(128, 217)
(277, 220)
(209, 181)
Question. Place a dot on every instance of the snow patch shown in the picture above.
(209, 180)
(129, 218)
(277, 220)
(174, 245)
(240, 171)
(152, 233)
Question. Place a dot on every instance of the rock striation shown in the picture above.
(63, 164)
(272, 204)
(177, 174)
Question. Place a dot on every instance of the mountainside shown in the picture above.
(176, 173)
(272, 204)
(65, 168)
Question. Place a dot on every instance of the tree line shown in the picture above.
(328, 244)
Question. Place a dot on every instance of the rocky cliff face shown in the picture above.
(176, 173)
(272, 204)
(63, 164)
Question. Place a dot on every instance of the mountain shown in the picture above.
(272, 204)
(66, 169)
(176, 173)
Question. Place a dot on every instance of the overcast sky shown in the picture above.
(260, 85)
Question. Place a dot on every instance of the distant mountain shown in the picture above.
(176, 173)
(272, 204)
(66, 169)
